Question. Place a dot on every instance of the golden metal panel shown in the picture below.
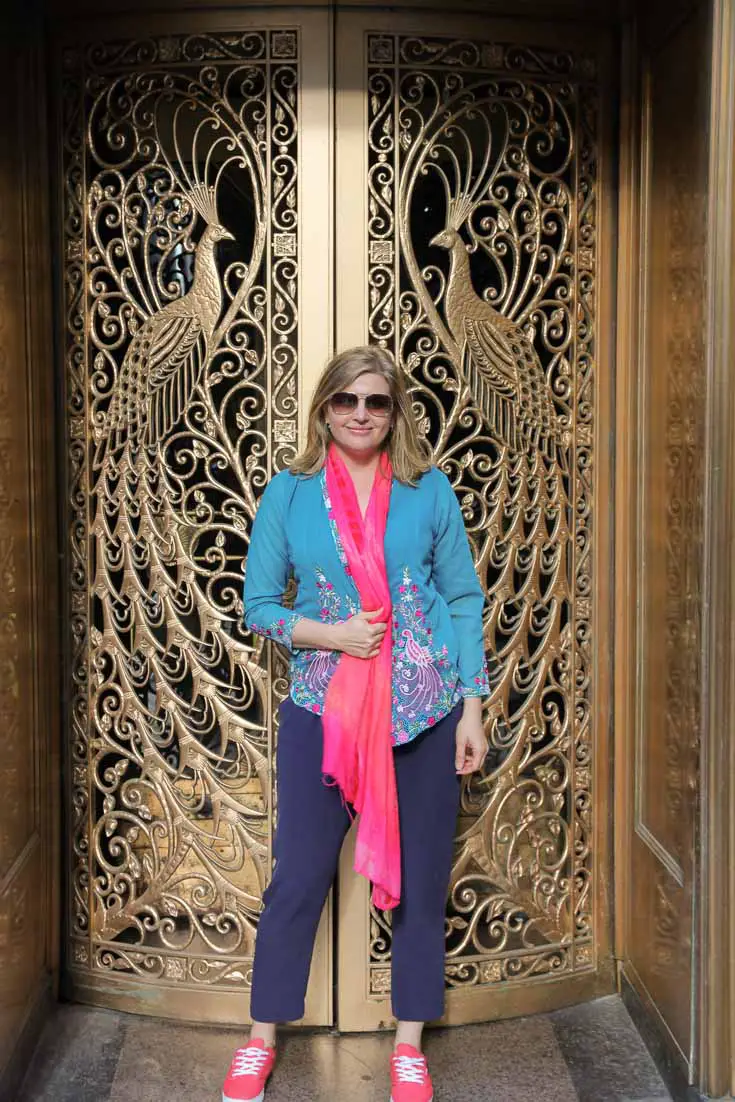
(191, 189)
(28, 684)
(480, 134)
(665, 479)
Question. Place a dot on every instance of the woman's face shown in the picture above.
(360, 432)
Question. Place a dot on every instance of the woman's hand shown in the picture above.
(360, 636)
(471, 741)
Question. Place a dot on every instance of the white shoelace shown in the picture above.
(410, 1069)
(249, 1061)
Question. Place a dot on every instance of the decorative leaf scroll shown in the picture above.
(181, 227)
(482, 177)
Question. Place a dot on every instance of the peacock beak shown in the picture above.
(439, 241)
(227, 236)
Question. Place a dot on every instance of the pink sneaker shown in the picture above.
(249, 1072)
(409, 1076)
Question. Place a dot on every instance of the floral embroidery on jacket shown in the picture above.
(279, 630)
(312, 670)
(424, 679)
(330, 604)
(333, 524)
(480, 685)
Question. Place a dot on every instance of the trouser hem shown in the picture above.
(418, 1014)
(276, 1019)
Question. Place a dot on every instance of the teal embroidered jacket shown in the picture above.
(438, 651)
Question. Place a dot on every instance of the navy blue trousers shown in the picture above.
(312, 824)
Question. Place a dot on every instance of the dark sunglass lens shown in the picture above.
(343, 402)
(379, 403)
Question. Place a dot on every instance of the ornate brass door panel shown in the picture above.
(195, 212)
(473, 240)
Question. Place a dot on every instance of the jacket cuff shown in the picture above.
(279, 630)
(478, 686)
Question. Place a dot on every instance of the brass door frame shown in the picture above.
(716, 993)
(30, 684)
(358, 1008)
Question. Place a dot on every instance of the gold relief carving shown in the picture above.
(381, 252)
(284, 432)
(484, 185)
(584, 956)
(283, 44)
(175, 968)
(80, 953)
(492, 56)
(380, 49)
(380, 981)
(491, 971)
(182, 338)
(284, 244)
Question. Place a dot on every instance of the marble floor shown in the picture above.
(590, 1053)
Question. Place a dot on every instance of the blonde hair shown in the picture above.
(409, 453)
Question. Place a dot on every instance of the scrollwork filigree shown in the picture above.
(486, 193)
(181, 165)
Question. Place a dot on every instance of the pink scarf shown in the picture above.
(357, 711)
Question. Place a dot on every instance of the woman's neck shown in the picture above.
(362, 466)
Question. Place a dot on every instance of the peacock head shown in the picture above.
(447, 239)
(219, 233)
(203, 199)
(459, 210)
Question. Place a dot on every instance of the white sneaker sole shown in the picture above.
(258, 1097)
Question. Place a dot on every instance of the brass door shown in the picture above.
(494, 137)
(195, 219)
(198, 217)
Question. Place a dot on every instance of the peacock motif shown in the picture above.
(166, 356)
(172, 853)
(158, 625)
(497, 360)
(485, 161)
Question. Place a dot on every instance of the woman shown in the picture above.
(378, 721)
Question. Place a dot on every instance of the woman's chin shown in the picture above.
(359, 443)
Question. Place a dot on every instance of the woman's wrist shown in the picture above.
(472, 706)
(308, 634)
(333, 635)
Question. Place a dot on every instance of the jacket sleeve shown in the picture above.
(456, 581)
(268, 568)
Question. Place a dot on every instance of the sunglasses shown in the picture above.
(379, 405)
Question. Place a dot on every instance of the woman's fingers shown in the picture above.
(470, 755)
